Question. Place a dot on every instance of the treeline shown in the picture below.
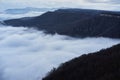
(102, 65)
(74, 22)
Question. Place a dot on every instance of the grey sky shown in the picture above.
(105, 1)
(94, 4)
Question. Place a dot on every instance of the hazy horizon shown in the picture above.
(86, 4)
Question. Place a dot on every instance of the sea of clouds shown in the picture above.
(28, 54)
(5, 16)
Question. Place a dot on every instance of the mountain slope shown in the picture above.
(102, 65)
(75, 22)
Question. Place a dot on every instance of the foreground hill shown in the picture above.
(102, 65)
(75, 22)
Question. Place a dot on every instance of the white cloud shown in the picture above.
(28, 54)
(105, 1)
(98, 1)
(96, 4)
(41, 3)
(4, 16)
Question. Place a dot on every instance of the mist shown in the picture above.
(87, 4)
(5, 16)
(28, 54)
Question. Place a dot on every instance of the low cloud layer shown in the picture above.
(28, 54)
(5, 16)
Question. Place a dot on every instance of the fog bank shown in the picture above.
(28, 54)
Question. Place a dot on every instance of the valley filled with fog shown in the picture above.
(29, 54)
(5, 16)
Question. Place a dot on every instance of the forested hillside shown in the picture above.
(102, 65)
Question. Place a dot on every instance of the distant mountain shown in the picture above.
(75, 22)
(102, 65)
(27, 9)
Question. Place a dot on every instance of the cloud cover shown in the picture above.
(28, 54)
(105, 1)
(94, 4)
(5, 16)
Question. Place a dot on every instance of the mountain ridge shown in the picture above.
(75, 23)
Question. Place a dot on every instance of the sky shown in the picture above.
(93, 4)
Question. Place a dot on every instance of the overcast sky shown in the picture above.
(94, 4)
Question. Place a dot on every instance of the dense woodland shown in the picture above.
(102, 65)
(74, 22)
